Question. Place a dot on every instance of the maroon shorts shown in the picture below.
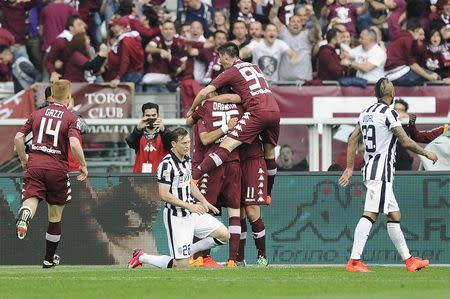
(223, 182)
(52, 186)
(265, 124)
(254, 182)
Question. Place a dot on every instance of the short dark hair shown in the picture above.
(150, 106)
(176, 133)
(402, 102)
(219, 32)
(71, 20)
(332, 33)
(229, 48)
(381, 86)
(48, 92)
(4, 48)
(412, 24)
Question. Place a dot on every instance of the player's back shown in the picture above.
(51, 127)
(376, 124)
(249, 83)
(215, 115)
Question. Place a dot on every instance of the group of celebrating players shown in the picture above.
(237, 123)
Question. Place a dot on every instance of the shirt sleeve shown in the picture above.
(75, 128)
(224, 78)
(392, 120)
(198, 114)
(27, 127)
(283, 45)
(165, 172)
(201, 128)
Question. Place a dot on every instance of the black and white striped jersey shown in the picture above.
(376, 124)
(178, 175)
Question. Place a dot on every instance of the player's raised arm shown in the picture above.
(226, 98)
(351, 152)
(200, 97)
(410, 144)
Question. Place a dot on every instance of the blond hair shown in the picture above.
(61, 90)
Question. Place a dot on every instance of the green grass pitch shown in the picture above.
(273, 282)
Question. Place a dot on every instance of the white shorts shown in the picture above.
(380, 197)
(181, 231)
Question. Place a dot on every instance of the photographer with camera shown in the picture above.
(148, 140)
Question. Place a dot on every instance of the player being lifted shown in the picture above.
(213, 121)
(261, 116)
(54, 128)
(380, 128)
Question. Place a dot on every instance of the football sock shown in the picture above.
(271, 172)
(210, 162)
(160, 261)
(204, 244)
(205, 253)
(198, 254)
(397, 237)
(362, 231)
(259, 235)
(235, 234)
(242, 241)
(52, 238)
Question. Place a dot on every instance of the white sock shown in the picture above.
(204, 244)
(362, 231)
(397, 237)
(160, 261)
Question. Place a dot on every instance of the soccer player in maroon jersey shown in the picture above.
(261, 116)
(214, 120)
(54, 129)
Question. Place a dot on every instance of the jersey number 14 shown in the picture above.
(47, 125)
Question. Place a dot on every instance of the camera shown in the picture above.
(151, 122)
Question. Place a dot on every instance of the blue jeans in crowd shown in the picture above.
(135, 78)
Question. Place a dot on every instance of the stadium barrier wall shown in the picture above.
(310, 221)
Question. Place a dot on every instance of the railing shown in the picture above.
(319, 149)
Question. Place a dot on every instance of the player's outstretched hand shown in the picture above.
(432, 156)
(189, 113)
(345, 177)
(197, 208)
(83, 173)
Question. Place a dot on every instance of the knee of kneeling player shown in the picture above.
(223, 234)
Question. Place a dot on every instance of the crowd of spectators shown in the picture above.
(142, 41)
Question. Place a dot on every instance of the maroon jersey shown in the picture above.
(211, 116)
(198, 151)
(251, 151)
(51, 126)
(249, 83)
(176, 47)
(286, 11)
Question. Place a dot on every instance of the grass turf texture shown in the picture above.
(273, 282)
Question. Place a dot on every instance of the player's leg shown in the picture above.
(53, 234)
(259, 232)
(234, 226)
(374, 204)
(271, 164)
(217, 158)
(242, 240)
(211, 231)
(396, 234)
(26, 213)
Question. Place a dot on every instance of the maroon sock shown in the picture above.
(210, 162)
(234, 225)
(259, 235)
(52, 238)
(271, 172)
(242, 241)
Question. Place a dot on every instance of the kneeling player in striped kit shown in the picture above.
(183, 217)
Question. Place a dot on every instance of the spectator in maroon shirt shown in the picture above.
(167, 56)
(14, 16)
(80, 67)
(343, 13)
(402, 66)
(128, 65)
(55, 57)
(437, 55)
(6, 59)
(329, 64)
(6, 38)
(53, 18)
